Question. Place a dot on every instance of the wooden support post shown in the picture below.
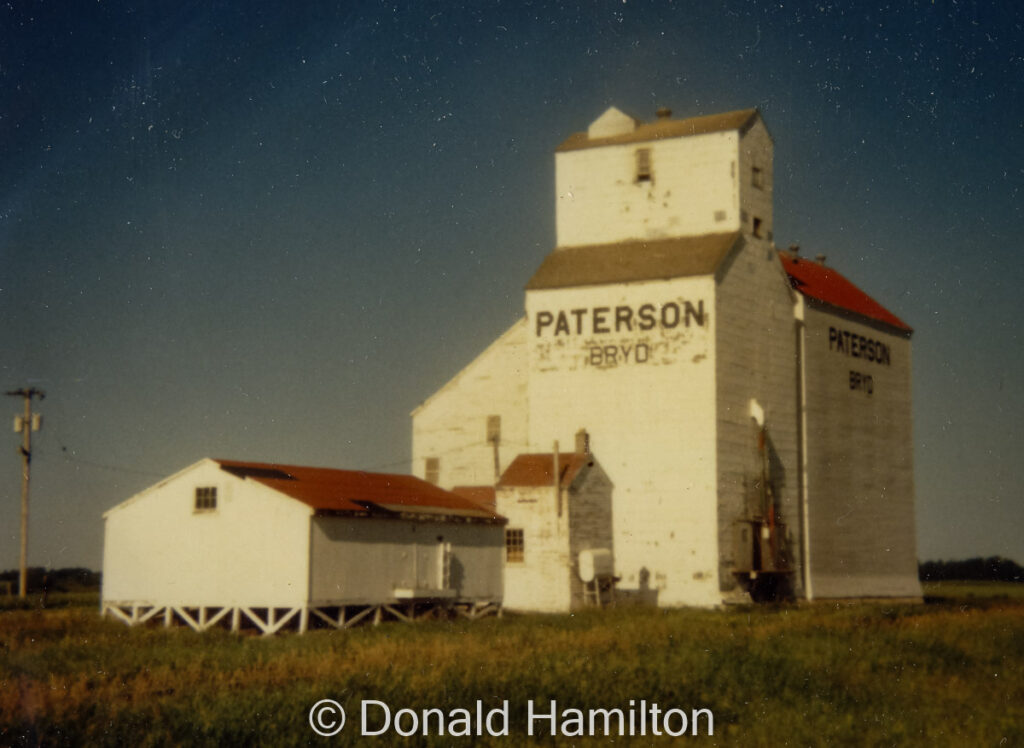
(282, 621)
(558, 483)
(365, 612)
(152, 612)
(236, 620)
(118, 613)
(251, 615)
(303, 619)
(217, 617)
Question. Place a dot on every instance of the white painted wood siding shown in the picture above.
(652, 422)
(693, 190)
(547, 579)
(540, 582)
(253, 549)
(452, 424)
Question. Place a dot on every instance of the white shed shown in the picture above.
(274, 546)
(552, 524)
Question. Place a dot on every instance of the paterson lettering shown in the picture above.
(602, 320)
(857, 346)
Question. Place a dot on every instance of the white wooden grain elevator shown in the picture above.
(749, 407)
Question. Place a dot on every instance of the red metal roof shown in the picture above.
(538, 469)
(327, 489)
(821, 283)
(482, 495)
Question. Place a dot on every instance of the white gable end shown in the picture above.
(613, 122)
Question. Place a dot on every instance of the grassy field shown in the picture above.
(946, 673)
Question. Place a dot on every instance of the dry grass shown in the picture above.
(944, 674)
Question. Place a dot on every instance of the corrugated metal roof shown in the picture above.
(538, 469)
(482, 495)
(821, 283)
(622, 262)
(667, 128)
(330, 490)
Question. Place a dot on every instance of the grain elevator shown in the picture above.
(749, 407)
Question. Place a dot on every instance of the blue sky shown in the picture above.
(254, 231)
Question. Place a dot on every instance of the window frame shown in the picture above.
(515, 545)
(205, 499)
(432, 470)
(643, 169)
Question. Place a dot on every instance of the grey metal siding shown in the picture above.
(859, 460)
(361, 560)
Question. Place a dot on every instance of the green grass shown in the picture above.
(947, 673)
(955, 590)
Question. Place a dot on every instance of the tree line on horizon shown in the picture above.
(991, 569)
(75, 579)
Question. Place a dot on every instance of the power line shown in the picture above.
(26, 425)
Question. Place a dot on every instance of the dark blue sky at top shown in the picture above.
(266, 232)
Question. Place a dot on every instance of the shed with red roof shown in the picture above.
(554, 515)
(272, 546)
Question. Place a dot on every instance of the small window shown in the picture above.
(433, 473)
(493, 429)
(757, 177)
(206, 498)
(515, 550)
(757, 227)
(643, 165)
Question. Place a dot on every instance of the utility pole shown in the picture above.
(26, 425)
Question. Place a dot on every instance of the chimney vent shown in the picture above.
(582, 442)
(794, 248)
(820, 259)
(664, 112)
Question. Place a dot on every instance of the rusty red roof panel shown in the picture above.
(482, 495)
(821, 283)
(328, 489)
(538, 469)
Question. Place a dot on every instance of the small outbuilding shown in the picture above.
(559, 510)
(273, 546)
